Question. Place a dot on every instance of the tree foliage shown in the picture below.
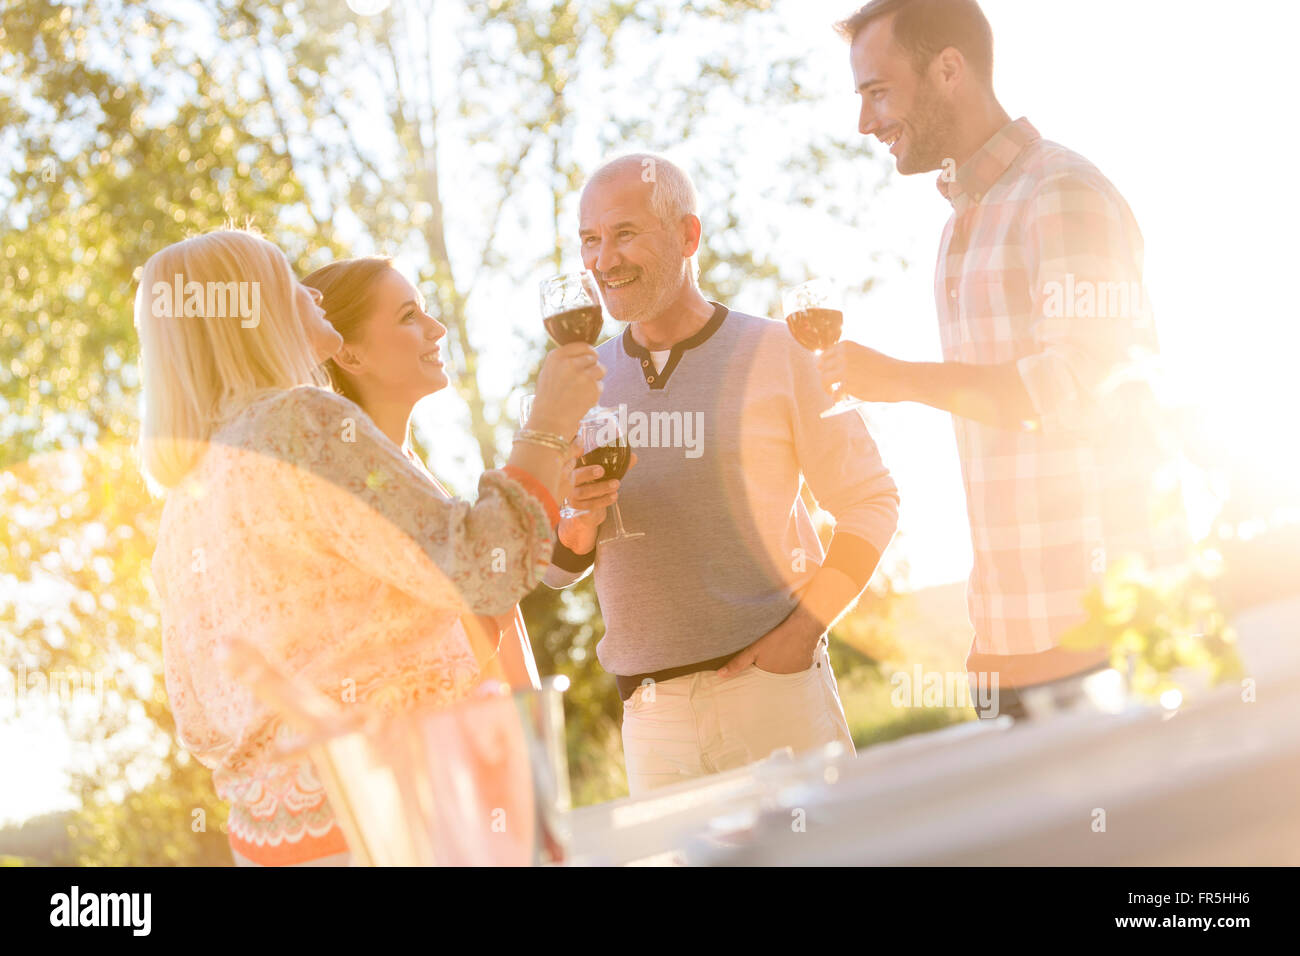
(1160, 627)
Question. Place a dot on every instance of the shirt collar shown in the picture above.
(976, 176)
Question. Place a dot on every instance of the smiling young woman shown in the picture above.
(390, 359)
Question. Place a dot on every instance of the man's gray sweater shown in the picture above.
(722, 436)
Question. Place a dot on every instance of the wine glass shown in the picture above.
(571, 308)
(604, 444)
(815, 316)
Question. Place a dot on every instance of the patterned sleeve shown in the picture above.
(1090, 314)
(374, 508)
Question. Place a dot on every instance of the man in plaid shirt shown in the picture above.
(1041, 312)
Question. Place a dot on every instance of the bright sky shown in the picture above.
(1186, 108)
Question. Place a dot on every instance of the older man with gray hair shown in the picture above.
(716, 618)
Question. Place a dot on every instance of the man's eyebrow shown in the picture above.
(588, 230)
(868, 84)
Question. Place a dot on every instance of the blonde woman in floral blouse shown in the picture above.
(293, 522)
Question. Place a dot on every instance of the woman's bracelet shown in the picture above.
(546, 439)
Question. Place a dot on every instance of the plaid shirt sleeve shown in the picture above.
(1083, 254)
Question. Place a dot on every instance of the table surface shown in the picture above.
(1215, 783)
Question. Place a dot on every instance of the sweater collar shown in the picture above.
(657, 380)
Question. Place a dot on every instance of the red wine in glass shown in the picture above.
(816, 329)
(614, 459)
(604, 444)
(582, 324)
(815, 319)
(571, 308)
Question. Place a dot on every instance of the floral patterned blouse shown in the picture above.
(306, 531)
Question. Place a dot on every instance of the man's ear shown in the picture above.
(692, 230)
(949, 67)
(347, 359)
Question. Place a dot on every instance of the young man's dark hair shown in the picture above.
(924, 28)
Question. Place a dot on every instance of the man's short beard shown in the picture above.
(655, 307)
(932, 122)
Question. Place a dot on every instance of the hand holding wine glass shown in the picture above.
(606, 458)
(865, 373)
(815, 317)
(590, 496)
(568, 386)
(572, 314)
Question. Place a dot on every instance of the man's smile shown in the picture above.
(891, 138)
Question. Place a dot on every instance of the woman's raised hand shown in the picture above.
(567, 387)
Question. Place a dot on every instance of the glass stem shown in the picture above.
(837, 388)
(619, 530)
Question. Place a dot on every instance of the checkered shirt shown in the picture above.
(1041, 265)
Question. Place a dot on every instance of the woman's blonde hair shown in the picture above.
(218, 327)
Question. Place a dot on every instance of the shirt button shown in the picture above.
(645, 364)
(649, 378)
